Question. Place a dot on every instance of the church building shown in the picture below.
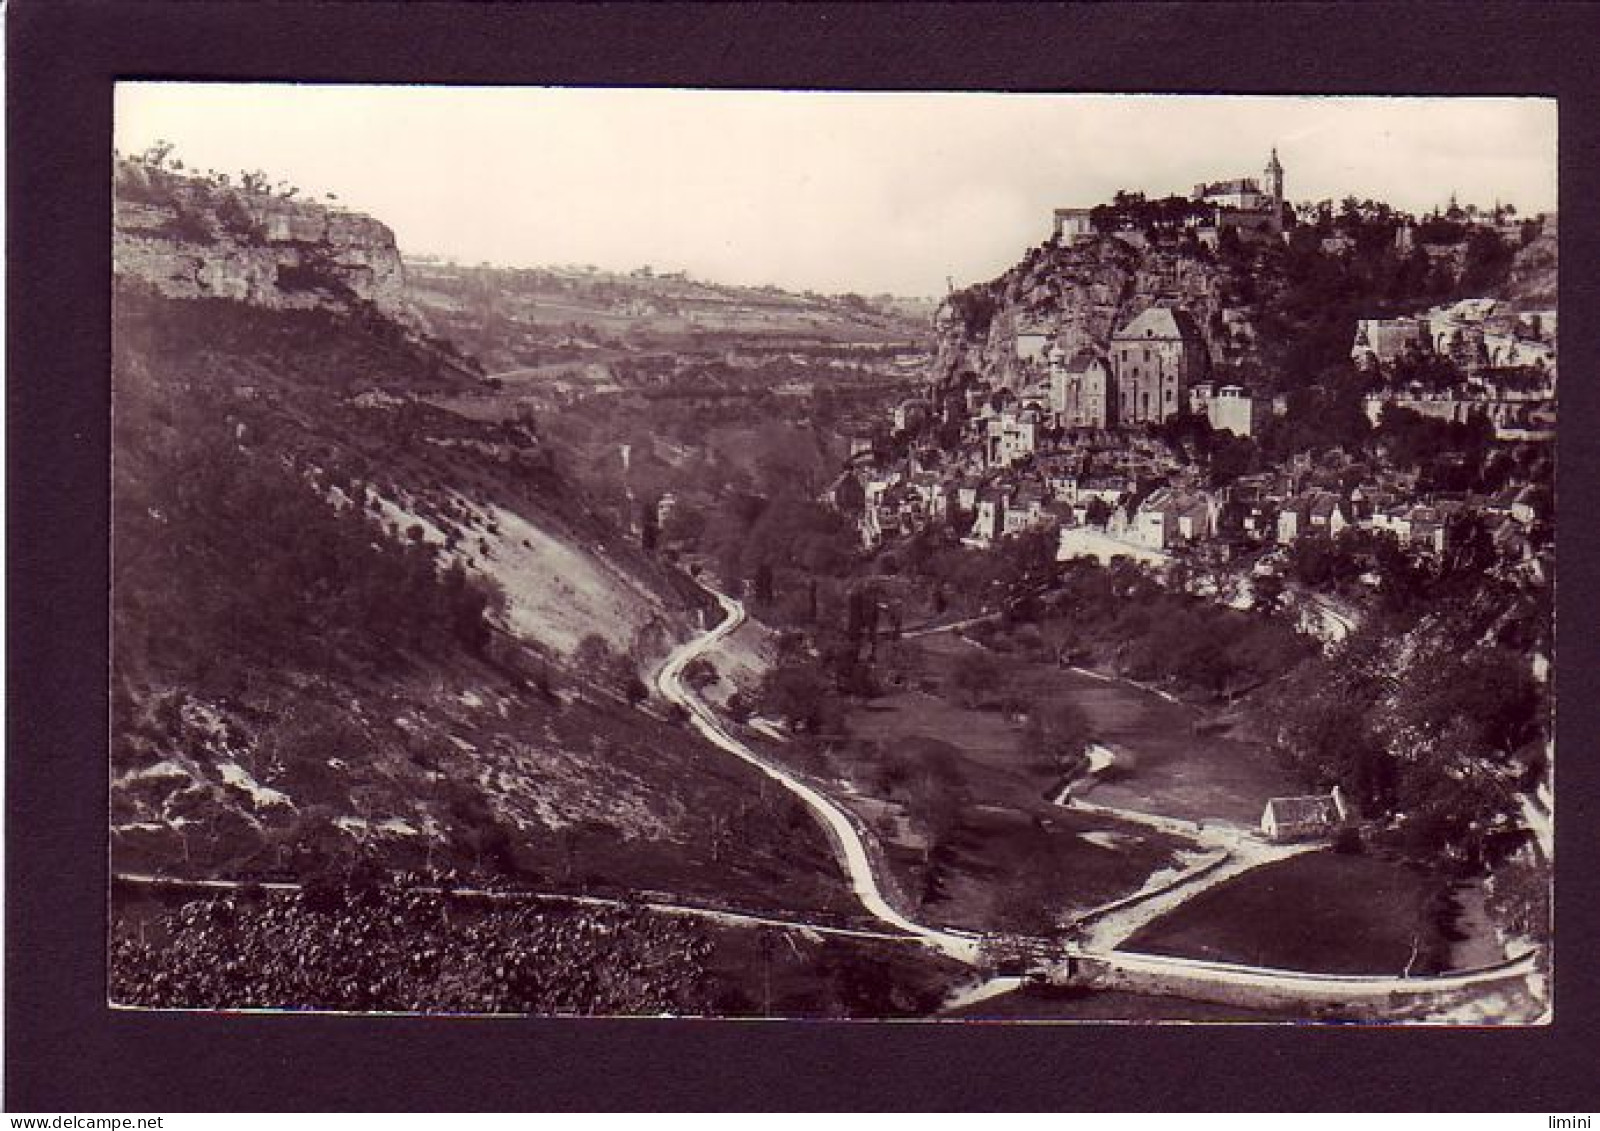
(1244, 204)
(1154, 360)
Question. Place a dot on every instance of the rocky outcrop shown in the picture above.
(1532, 282)
(1075, 297)
(193, 238)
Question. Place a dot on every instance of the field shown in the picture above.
(1321, 911)
(1002, 854)
(1165, 765)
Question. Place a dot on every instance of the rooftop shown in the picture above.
(1160, 322)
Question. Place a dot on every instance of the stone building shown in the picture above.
(1230, 408)
(1274, 172)
(1383, 341)
(1155, 359)
(1011, 437)
(1244, 204)
(1242, 193)
(1073, 225)
(1080, 392)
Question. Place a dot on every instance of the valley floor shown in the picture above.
(1173, 807)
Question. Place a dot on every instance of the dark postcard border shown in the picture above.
(66, 1052)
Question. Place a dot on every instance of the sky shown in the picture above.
(865, 192)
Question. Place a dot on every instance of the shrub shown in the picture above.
(976, 676)
(237, 221)
(1347, 840)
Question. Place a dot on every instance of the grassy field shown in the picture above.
(1164, 765)
(1012, 868)
(1005, 851)
(1321, 911)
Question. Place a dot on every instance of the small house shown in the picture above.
(1303, 818)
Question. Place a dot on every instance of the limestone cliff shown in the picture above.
(193, 238)
(1531, 284)
(1074, 297)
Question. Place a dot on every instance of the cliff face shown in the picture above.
(1532, 282)
(1077, 296)
(190, 238)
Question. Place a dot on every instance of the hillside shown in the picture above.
(1532, 283)
(1077, 295)
(524, 317)
(554, 334)
(654, 387)
(354, 630)
(1276, 316)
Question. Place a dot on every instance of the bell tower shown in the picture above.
(1275, 187)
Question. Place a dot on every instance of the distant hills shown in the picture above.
(521, 318)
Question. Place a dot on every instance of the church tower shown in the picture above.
(1275, 186)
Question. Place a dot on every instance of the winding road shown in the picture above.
(965, 947)
(1113, 923)
(958, 945)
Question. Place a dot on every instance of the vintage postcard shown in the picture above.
(753, 554)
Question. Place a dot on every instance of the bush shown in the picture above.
(237, 221)
(700, 673)
(1347, 840)
(976, 676)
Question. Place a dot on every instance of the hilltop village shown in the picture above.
(1116, 389)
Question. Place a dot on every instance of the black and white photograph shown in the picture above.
(878, 556)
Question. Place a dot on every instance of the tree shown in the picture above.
(685, 525)
(1229, 457)
(1056, 734)
(796, 691)
(762, 586)
(976, 676)
(1318, 561)
(700, 673)
(157, 154)
(1030, 901)
(649, 528)
(850, 496)
(1267, 590)
(593, 654)
(975, 307)
(1487, 263)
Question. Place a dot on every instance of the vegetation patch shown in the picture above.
(366, 948)
(1322, 911)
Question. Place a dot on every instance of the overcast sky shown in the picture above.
(832, 192)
